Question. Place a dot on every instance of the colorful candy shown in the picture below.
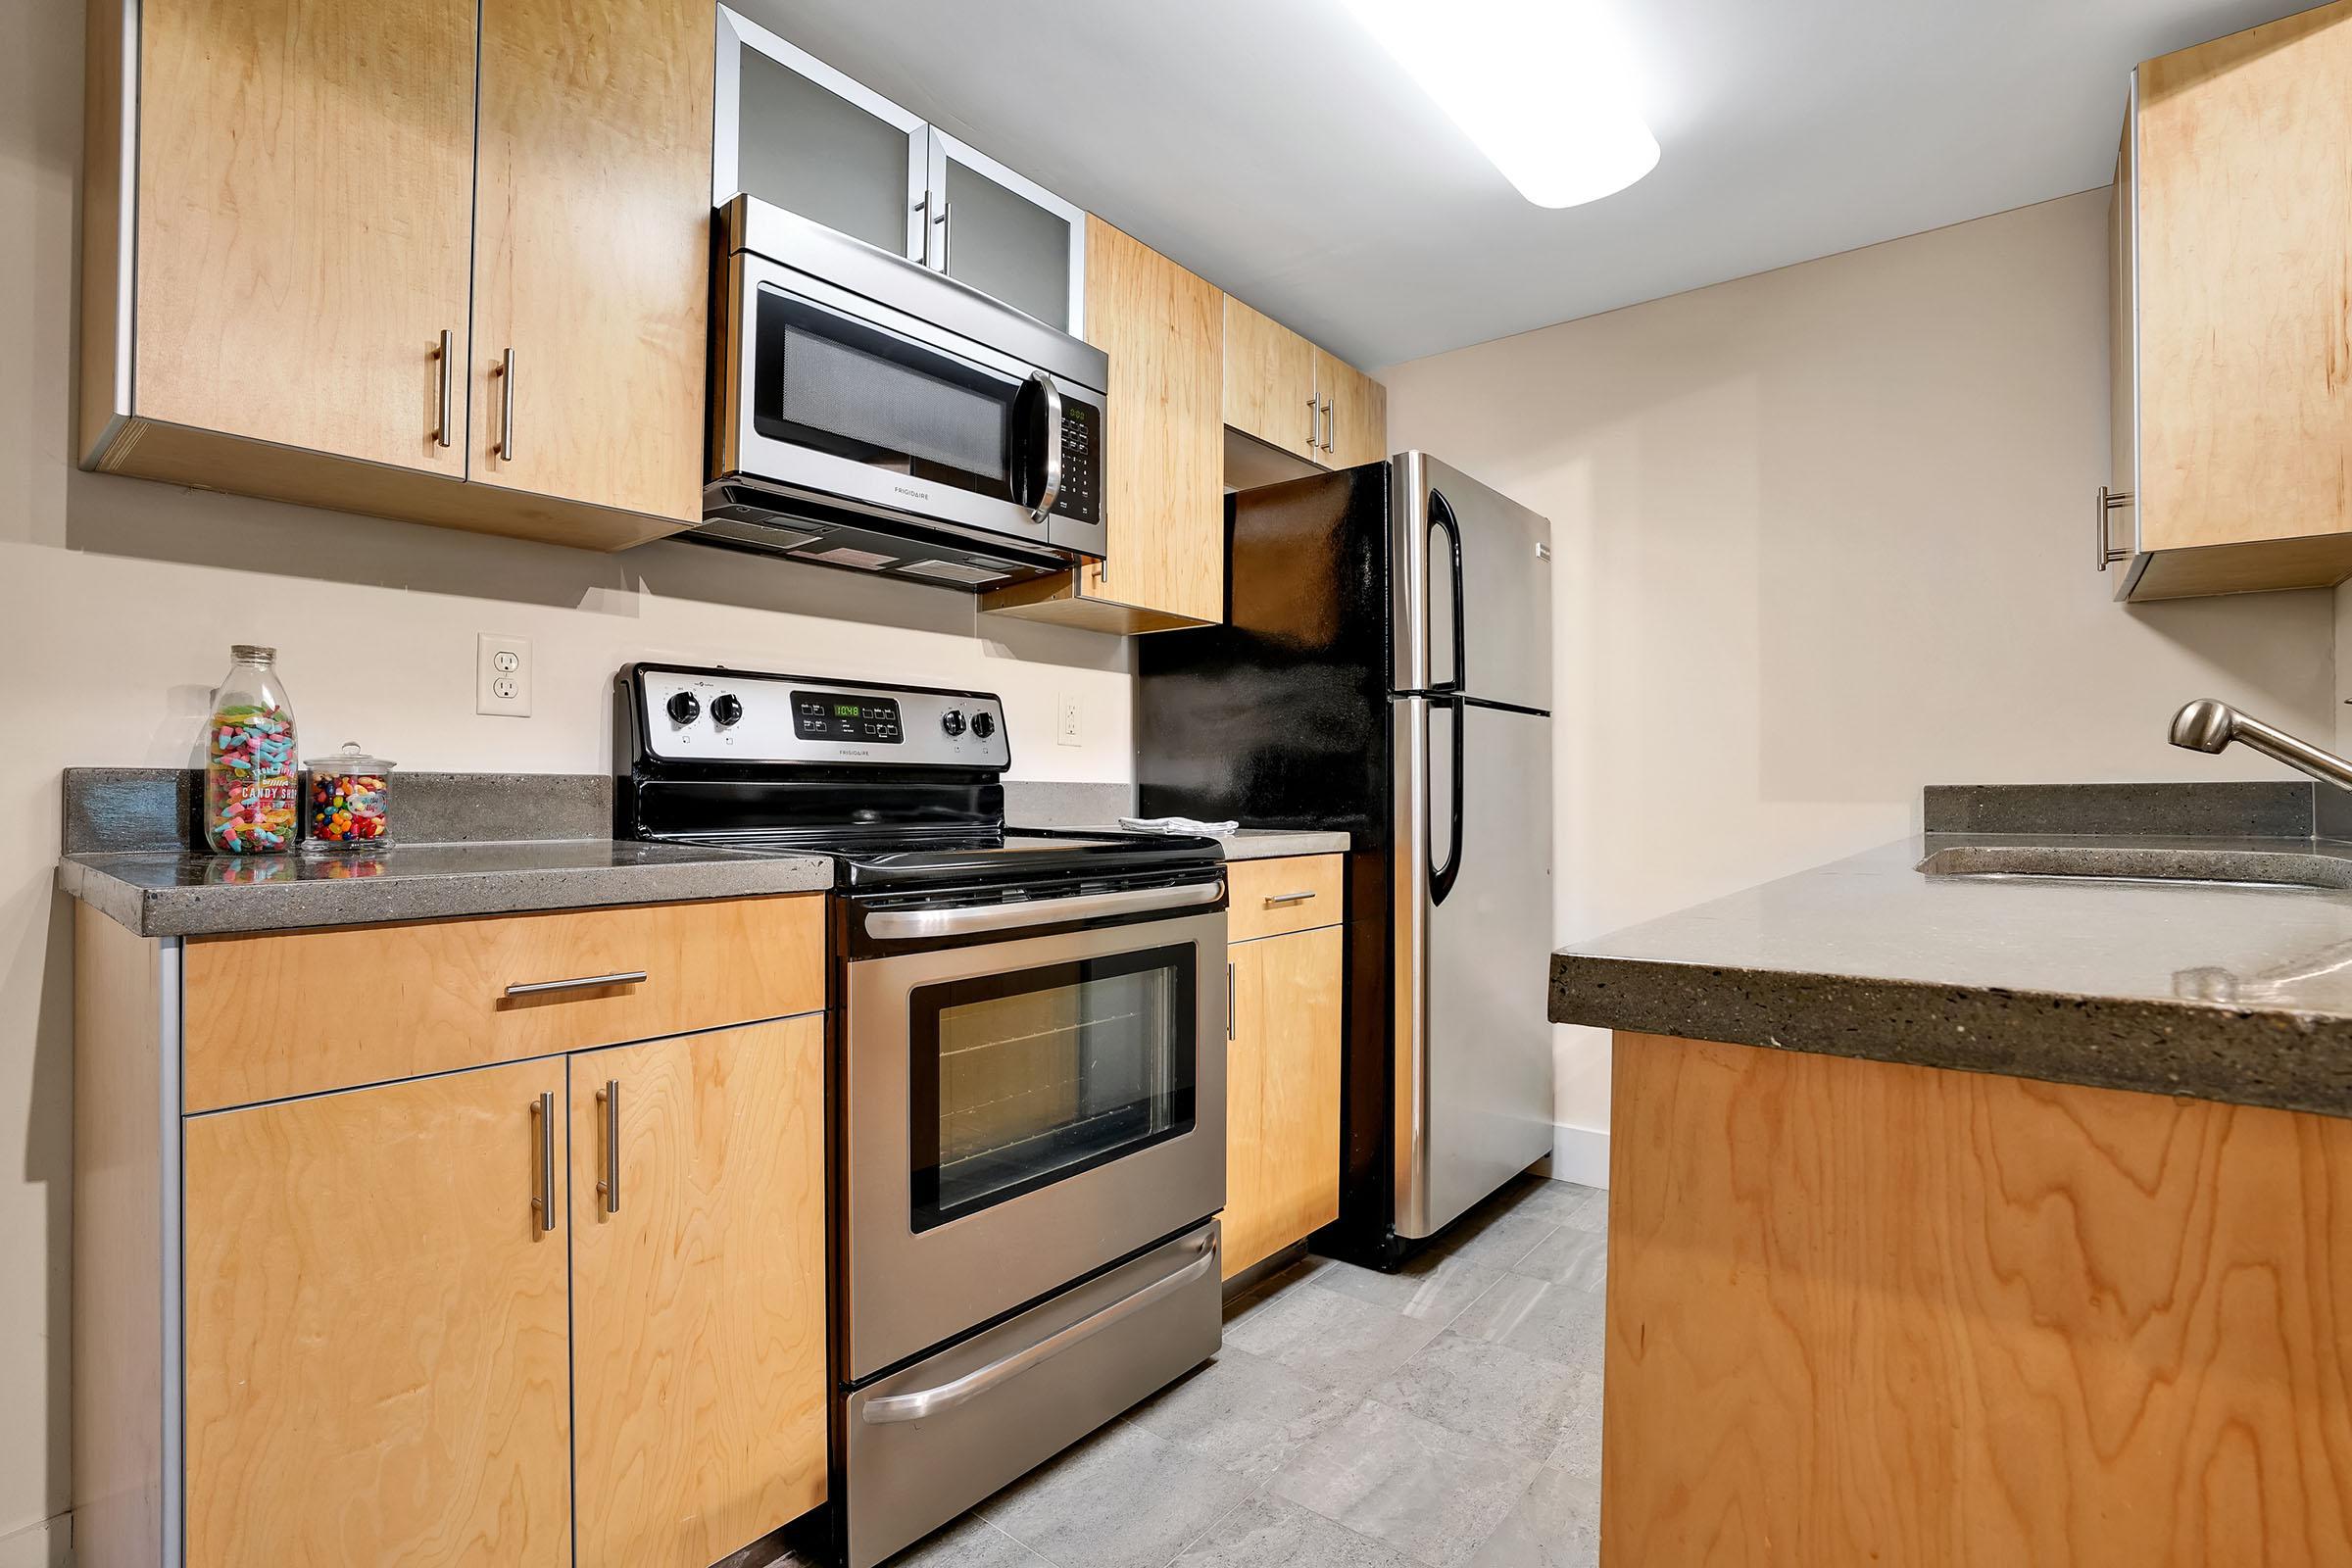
(249, 795)
(348, 799)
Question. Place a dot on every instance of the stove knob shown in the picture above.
(725, 709)
(951, 721)
(984, 726)
(685, 708)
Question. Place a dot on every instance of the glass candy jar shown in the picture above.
(350, 800)
(249, 798)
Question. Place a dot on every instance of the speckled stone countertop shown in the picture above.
(1273, 844)
(2227, 993)
(164, 893)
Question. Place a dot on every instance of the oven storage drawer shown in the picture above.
(930, 1440)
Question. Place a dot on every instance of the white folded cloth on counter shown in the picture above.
(1174, 824)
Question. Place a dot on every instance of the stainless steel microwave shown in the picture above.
(871, 413)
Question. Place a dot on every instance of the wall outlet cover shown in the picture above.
(1069, 726)
(502, 674)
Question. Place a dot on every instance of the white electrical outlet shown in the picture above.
(502, 676)
(1068, 730)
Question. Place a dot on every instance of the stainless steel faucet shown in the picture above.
(2207, 725)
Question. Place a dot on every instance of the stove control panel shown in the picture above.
(747, 717)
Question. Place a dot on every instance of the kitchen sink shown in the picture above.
(2297, 869)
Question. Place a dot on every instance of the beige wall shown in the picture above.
(1824, 537)
(118, 599)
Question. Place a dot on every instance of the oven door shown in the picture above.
(1023, 1111)
(830, 396)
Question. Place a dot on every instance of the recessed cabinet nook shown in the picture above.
(449, 260)
(2230, 239)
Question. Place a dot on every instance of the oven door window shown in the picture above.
(1026, 1079)
(826, 382)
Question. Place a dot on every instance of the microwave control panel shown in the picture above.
(700, 715)
(1081, 498)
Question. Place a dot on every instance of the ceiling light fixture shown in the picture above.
(1540, 86)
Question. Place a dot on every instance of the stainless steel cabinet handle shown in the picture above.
(1274, 900)
(442, 433)
(905, 924)
(586, 982)
(506, 408)
(947, 236)
(1327, 424)
(609, 1097)
(1229, 1001)
(963, 1390)
(545, 1110)
(1314, 429)
(2109, 501)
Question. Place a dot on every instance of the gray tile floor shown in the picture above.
(1447, 1417)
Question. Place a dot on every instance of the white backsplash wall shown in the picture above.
(1823, 537)
(118, 599)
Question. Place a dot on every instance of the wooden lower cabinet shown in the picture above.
(1866, 1313)
(377, 1333)
(698, 1292)
(1282, 1092)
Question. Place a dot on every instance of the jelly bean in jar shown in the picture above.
(250, 799)
(350, 800)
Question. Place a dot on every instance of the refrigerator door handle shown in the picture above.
(1442, 877)
(1441, 516)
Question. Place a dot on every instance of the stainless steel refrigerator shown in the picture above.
(1385, 670)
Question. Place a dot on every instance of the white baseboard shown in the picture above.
(1580, 1155)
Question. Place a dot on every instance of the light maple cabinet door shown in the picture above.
(698, 1292)
(1281, 1078)
(1269, 383)
(1163, 491)
(592, 246)
(304, 227)
(377, 1327)
(1354, 414)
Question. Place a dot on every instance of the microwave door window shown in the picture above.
(831, 385)
(1023, 1080)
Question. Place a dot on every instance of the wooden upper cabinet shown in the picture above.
(1356, 413)
(592, 245)
(2233, 243)
(377, 1333)
(1269, 376)
(1163, 450)
(304, 222)
(698, 1292)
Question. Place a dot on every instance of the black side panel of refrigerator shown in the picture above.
(1279, 717)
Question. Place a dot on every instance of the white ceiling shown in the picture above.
(1275, 149)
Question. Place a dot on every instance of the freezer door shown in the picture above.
(1471, 598)
(1473, 936)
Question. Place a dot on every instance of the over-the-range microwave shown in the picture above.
(871, 413)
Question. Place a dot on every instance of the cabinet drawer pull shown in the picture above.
(609, 1097)
(506, 408)
(443, 435)
(544, 1108)
(586, 982)
(1274, 900)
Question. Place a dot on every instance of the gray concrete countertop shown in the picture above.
(1273, 844)
(2226, 993)
(164, 893)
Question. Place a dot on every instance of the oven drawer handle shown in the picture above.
(969, 1387)
(903, 924)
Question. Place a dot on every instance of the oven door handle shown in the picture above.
(896, 925)
(969, 1387)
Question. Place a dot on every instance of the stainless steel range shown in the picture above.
(1025, 1073)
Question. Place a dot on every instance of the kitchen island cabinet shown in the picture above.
(382, 1298)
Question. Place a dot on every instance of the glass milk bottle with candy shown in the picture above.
(250, 795)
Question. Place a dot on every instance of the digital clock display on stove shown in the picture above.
(837, 716)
